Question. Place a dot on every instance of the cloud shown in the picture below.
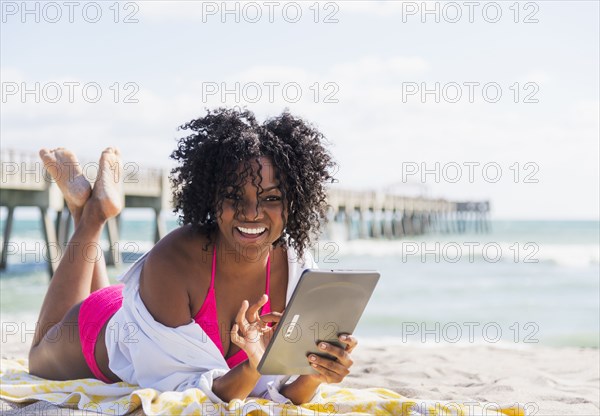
(374, 68)
(373, 131)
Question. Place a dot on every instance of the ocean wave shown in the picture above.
(27, 251)
(488, 251)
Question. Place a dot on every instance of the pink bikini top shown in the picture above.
(208, 320)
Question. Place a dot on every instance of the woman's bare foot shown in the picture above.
(107, 194)
(65, 169)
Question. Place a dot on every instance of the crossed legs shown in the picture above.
(56, 349)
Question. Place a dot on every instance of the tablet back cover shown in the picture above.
(325, 304)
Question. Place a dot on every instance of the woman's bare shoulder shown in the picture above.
(166, 274)
(179, 246)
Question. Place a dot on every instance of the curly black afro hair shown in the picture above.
(225, 139)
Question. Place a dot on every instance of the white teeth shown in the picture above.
(251, 230)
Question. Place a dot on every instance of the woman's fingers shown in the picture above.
(240, 318)
(342, 355)
(331, 371)
(249, 326)
(252, 314)
(271, 317)
(235, 336)
(350, 342)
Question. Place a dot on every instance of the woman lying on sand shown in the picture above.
(250, 198)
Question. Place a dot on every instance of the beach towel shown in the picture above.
(93, 396)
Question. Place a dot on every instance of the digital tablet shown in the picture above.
(324, 305)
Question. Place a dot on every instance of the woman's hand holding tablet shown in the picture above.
(333, 370)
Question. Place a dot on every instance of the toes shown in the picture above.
(111, 150)
(61, 165)
(108, 185)
(44, 153)
(111, 153)
(51, 169)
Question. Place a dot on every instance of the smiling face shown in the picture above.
(252, 217)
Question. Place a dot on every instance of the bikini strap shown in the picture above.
(268, 275)
(212, 273)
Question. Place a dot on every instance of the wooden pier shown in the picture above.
(366, 214)
(371, 214)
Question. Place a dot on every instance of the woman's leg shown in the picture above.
(67, 172)
(56, 340)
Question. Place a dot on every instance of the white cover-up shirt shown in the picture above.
(145, 352)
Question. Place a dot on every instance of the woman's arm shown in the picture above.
(163, 281)
(237, 383)
(301, 390)
(253, 337)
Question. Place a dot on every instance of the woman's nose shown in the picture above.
(250, 210)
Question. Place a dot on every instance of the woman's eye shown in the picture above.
(273, 198)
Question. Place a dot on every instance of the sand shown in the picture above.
(549, 381)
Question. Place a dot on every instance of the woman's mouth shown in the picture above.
(251, 233)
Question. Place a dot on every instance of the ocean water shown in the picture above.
(523, 283)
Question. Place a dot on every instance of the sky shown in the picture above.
(458, 100)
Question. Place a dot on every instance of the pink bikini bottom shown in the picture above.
(95, 311)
